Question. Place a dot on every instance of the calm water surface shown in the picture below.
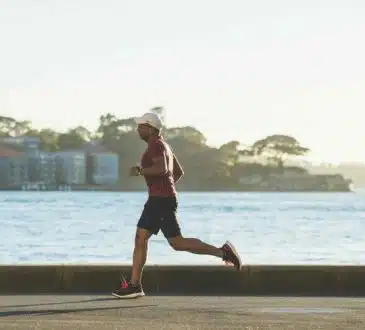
(267, 228)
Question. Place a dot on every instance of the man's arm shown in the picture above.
(178, 170)
(159, 167)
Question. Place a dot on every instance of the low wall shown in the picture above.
(187, 280)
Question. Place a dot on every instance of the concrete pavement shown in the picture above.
(162, 312)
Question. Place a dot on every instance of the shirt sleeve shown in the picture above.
(156, 150)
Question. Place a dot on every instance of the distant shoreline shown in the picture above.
(112, 189)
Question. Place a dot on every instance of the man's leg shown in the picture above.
(133, 288)
(139, 255)
(147, 225)
(194, 245)
(227, 252)
(171, 229)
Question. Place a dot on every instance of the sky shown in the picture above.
(234, 69)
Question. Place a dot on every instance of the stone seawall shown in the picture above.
(187, 280)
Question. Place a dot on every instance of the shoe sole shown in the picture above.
(129, 296)
(235, 253)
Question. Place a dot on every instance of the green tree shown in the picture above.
(73, 139)
(111, 128)
(49, 139)
(205, 167)
(21, 128)
(231, 151)
(277, 147)
(7, 125)
(189, 133)
(106, 130)
(83, 132)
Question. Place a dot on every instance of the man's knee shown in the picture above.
(177, 243)
(142, 237)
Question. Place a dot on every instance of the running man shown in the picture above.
(161, 171)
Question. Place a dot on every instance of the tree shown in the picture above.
(48, 139)
(212, 170)
(11, 127)
(188, 133)
(21, 128)
(83, 132)
(73, 139)
(106, 129)
(230, 151)
(110, 127)
(125, 125)
(277, 147)
(7, 125)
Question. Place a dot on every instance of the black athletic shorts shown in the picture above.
(160, 213)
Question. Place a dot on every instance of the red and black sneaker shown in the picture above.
(230, 255)
(127, 290)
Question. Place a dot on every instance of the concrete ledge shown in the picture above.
(40, 279)
(188, 280)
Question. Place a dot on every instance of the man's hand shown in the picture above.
(135, 171)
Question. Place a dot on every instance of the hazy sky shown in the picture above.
(235, 69)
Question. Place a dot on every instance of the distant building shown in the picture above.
(70, 167)
(42, 168)
(103, 168)
(27, 143)
(13, 168)
(24, 165)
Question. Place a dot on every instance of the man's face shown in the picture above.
(144, 131)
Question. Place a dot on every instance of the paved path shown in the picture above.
(106, 312)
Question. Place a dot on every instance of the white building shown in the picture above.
(71, 167)
(104, 167)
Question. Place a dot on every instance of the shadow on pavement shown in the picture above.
(65, 311)
(60, 303)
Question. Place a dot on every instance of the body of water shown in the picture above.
(267, 228)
